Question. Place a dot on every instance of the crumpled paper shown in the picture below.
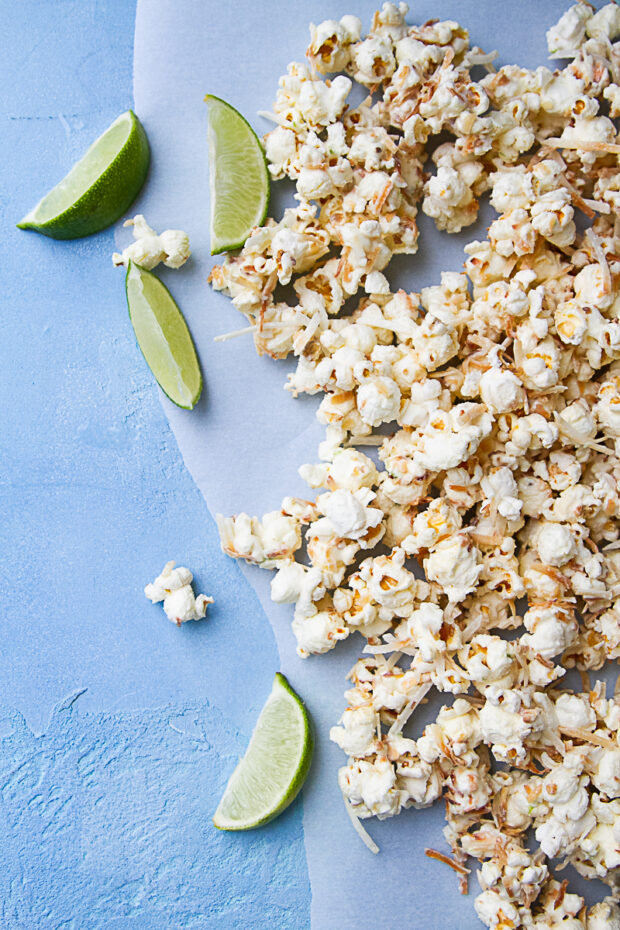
(246, 439)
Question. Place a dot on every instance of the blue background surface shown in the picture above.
(118, 730)
(106, 797)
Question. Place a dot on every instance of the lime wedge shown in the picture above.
(99, 188)
(274, 766)
(238, 177)
(163, 336)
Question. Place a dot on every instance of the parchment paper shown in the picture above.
(245, 441)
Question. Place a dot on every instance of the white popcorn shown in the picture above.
(606, 777)
(454, 564)
(351, 470)
(501, 475)
(347, 513)
(591, 288)
(552, 217)
(389, 583)
(489, 661)
(149, 249)
(331, 41)
(264, 542)
(439, 520)
(501, 390)
(605, 23)
(607, 409)
(500, 487)
(304, 101)
(606, 914)
(551, 630)
(376, 283)
(298, 584)
(373, 60)
(589, 129)
(555, 544)
(572, 711)
(357, 732)
(565, 38)
(174, 588)
(318, 633)
(371, 788)
(495, 908)
(451, 437)
(571, 322)
(422, 402)
(449, 200)
(378, 400)
(421, 631)
(512, 189)
(502, 724)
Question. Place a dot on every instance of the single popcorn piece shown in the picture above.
(264, 542)
(331, 41)
(454, 564)
(565, 38)
(174, 588)
(555, 544)
(150, 249)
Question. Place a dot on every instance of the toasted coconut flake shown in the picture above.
(583, 145)
(224, 337)
(441, 857)
(601, 258)
(363, 834)
(567, 430)
(364, 441)
(409, 708)
(587, 737)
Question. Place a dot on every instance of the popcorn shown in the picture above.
(501, 390)
(503, 724)
(454, 564)
(500, 475)
(149, 249)
(371, 788)
(304, 102)
(378, 400)
(357, 732)
(318, 633)
(551, 630)
(347, 513)
(174, 588)
(605, 23)
(565, 38)
(500, 488)
(606, 914)
(263, 542)
(296, 583)
(331, 41)
(555, 544)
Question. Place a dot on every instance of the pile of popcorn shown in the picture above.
(499, 484)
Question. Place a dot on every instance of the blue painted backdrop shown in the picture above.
(117, 730)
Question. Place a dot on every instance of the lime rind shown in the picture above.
(238, 177)
(163, 337)
(256, 791)
(99, 188)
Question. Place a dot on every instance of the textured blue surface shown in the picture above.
(105, 801)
